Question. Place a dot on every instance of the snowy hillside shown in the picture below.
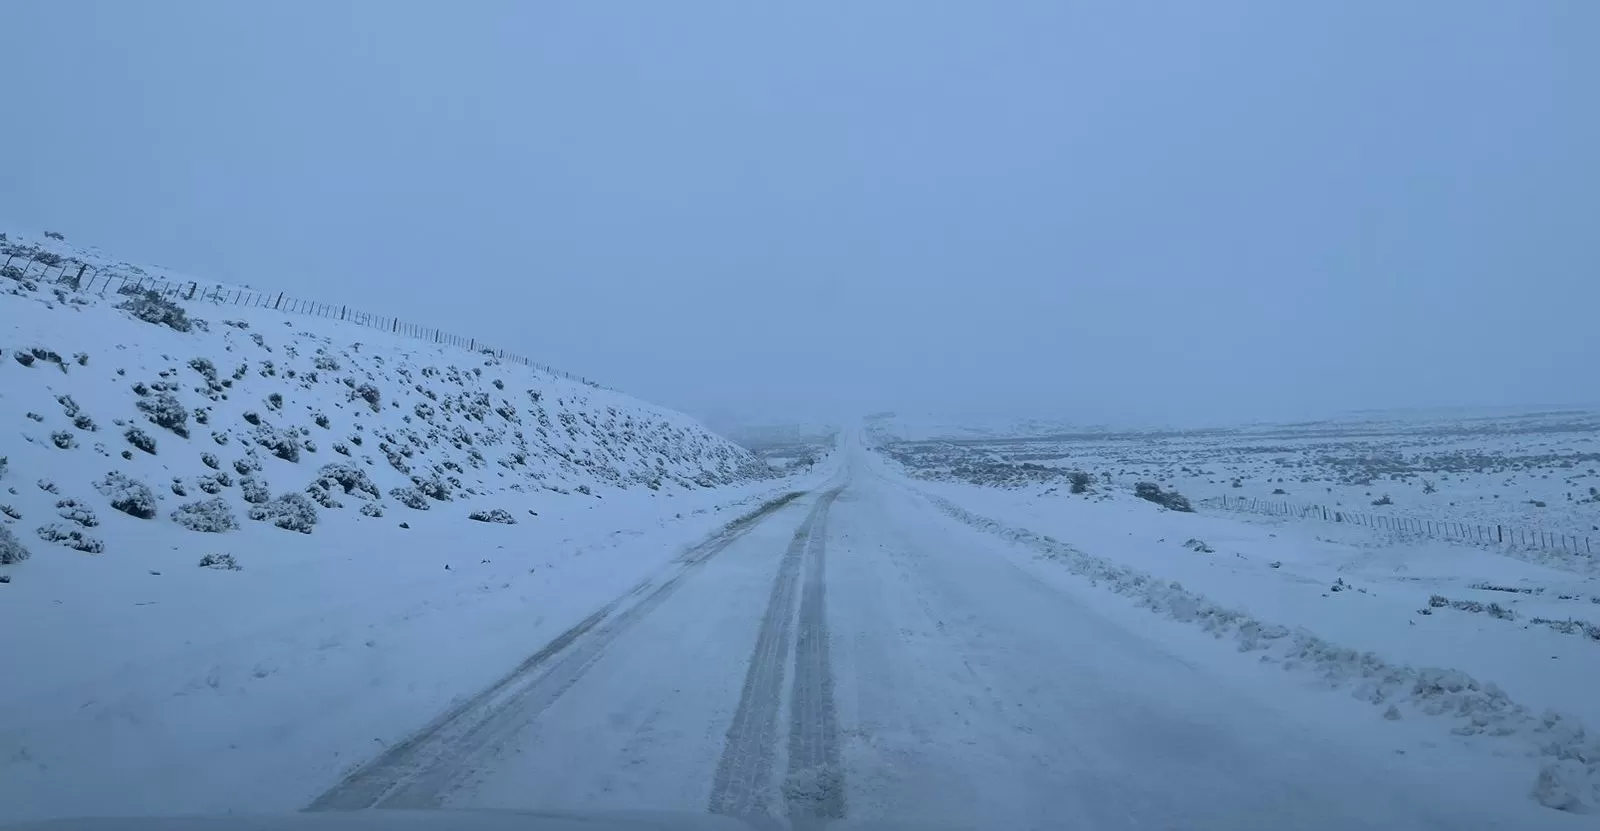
(131, 409)
(244, 544)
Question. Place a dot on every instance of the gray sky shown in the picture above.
(1173, 210)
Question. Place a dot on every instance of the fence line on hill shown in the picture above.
(89, 279)
(1447, 529)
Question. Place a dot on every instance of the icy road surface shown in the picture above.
(856, 653)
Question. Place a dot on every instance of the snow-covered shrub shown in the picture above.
(255, 491)
(71, 538)
(497, 515)
(140, 439)
(164, 410)
(210, 460)
(213, 483)
(289, 511)
(434, 488)
(10, 512)
(275, 401)
(247, 465)
(221, 562)
(63, 440)
(150, 307)
(321, 496)
(11, 550)
(210, 515)
(1080, 481)
(127, 495)
(75, 511)
(409, 497)
(349, 477)
(283, 444)
(369, 394)
(1172, 500)
(372, 509)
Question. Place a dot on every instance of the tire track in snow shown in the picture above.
(814, 783)
(743, 783)
(419, 771)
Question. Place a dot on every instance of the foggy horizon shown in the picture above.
(1096, 214)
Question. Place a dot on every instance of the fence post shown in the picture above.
(343, 310)
(278, 302)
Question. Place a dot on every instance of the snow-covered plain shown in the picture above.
(1500, 640)
(242, 544)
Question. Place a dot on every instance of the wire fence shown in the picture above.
(1445, 529)
(89, 279)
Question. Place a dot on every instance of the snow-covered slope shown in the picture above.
(129, 409)
(238, 550)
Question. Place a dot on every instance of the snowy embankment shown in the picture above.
(243, 551)
(1406, 627)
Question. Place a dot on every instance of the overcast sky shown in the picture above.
(1163, 211)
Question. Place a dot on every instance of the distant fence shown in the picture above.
(88, 279)
(1447, 529)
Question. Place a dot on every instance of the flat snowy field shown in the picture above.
(1501, 641)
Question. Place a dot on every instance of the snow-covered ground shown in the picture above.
(1501, 641)
(240, 549)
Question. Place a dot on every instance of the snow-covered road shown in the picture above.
(856, 653)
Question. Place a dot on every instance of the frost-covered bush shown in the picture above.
(255, 491)
(140, 439)
(347, 476)
(221, 562)
(164, 410)
(75, 511)
(497, 515)
(210, 460)
(127, 495)
(289, 511)
(71, 538)
(372, 509)
(150, 307)
(247, 465)
(1080, 481)
(63, 440)
(11, 550)
(409, 497)
(1171, 500)
(209, 515)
